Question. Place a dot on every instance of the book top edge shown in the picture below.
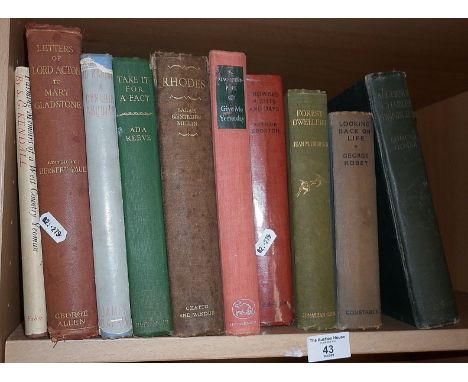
(393, 73)
(130, 59)
(306, 91)
(257, 77)
(225, 53)
(158, 53)
(87, 54)
(32, 27)
(157, 56)
(345, 112)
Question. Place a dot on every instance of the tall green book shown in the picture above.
(310, 209)
(142, 199)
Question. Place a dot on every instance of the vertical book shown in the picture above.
(141, 190)
(355, 220)
(231, 150)
(309, 198)
(265, 120)
(54, 64)
(35, 314)
(187, 169)
(414, 280)
(105, 194)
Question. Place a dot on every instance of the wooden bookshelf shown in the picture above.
(326, 54)
(394, 337)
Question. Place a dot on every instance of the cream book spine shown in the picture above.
(35, 315)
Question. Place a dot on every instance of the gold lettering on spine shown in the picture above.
(307, 117)
(135, 93)
(54, 48)
(194, 311)
(147, 324)
(318, 314)
(183, 82)
(71, 319)
(56, 97)
(186, 118)
(66, 166)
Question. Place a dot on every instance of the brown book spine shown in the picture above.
(266, 123)
(54, 60)
(189, 194)
(355, 220)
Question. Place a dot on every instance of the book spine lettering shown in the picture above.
(231, 149)
(141, 190)
(355, 220)
(35, 314)
(105, 194)
(265, 120)
(309, 200)
(185, 140)
(54, 59)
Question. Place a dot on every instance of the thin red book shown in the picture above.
(266, 124)
(231, 149)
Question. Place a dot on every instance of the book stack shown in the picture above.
(179, 195)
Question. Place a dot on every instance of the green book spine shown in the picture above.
(141, 189)
(415, 282)
(309, 200)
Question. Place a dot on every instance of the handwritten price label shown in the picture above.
(53, 228)
(265, 242)
(328, 346)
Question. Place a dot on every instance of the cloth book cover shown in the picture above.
(414, 280)
(231, 148)
(62, 177)
(140, 171)
(189, 193)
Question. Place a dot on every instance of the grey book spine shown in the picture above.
(105, 192)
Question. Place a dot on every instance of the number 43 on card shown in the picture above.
(328, 346)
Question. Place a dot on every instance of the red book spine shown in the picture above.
(234, 193)
(62, 178)
(265, 121)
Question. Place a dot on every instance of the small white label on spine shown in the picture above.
(328, 346)
(54, 229)
(265, 242)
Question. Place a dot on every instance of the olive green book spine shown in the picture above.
(310, 209)
(141, 189)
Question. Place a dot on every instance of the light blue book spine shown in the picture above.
(105, 193)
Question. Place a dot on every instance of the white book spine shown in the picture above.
(35, 314)
(105, 192)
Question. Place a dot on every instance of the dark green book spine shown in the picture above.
(309, 200)
(411, 247)
(141, 189)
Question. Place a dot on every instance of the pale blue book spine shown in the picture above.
(105, 193)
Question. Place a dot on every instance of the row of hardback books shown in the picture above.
(182, 196)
